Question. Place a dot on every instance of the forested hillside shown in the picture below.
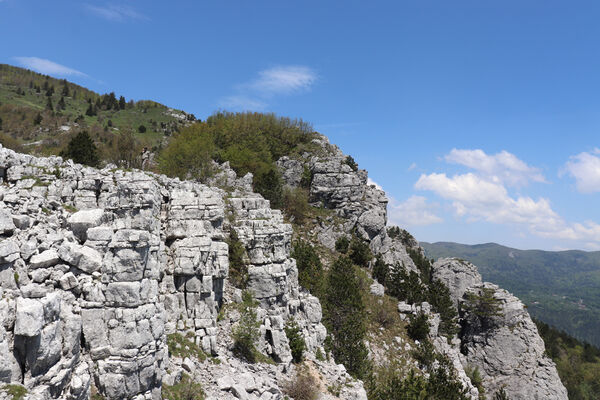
(578, 363)
(560, 288)
(40, 114)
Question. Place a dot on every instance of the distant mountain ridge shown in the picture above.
(561, 288)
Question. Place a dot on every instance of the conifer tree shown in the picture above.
(345, 317)
(82, 150)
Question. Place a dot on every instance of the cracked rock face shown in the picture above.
(458, 275)
(509, 351)
(97, 266)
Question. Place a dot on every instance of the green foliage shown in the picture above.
(304, 386)
(501, 395)
(17, 392)
(310, 269)
(406, 286)
(189, 154)
(422, 264)
(418, 326)
(440, 300)
(246, 333)
(475, 377)
(184, 346)
(238, 269)
(359, 252)
(397, 387)
(142, 129)
(297, 344)
(483, 306)
(185, 389)
(82, 150)
(295, 204)
(380, 271)
(268, 182)
(351, 163)
(441, 385)
(342, 244)
(345, 317)
(319, 355)
(306, 178)
(577, 363)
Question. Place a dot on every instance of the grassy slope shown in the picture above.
(560, 288)
(20, 104)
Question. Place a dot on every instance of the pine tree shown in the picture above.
(345, 317)
(122, 103)
(82, 150)
(49, 105)
(61, 104)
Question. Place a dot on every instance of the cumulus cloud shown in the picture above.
(284, 80)
(504, 166)
(47, 67)
(271, 82)
(415, 211)
(585, 168)
(478, 199)
(116, 12)
(240, 102)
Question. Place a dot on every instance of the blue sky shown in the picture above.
(480, 119)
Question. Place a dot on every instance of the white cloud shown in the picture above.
(585, 168)
(476, 198)
(502, 167)
(115, 12)
(271, 82)
(480, 199)
(412, 166)
(415, 211)
(284, 80)
(241, 102)
(47, 67)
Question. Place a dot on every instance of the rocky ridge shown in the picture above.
(97, 267)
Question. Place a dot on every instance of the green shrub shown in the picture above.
(360, 253)
(418, 327)
(189, 153)
(501, 395)
(345, 317)
(476, 380)
(185, 389)
(295, 204)
(342, 244)
(238, 269)
(17, 392)
(267, 182)
(82, 150)
(306, 178)
(380, 271)
(296, 341)
(351, 163)
(304, 386)
(310, 269)
(141, 129)
(184, 346)
(246, 333)
(481, 308)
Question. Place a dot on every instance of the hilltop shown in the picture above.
(40, 114)
(561, 288)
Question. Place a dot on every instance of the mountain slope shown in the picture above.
(560, 288)
(39, 114)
